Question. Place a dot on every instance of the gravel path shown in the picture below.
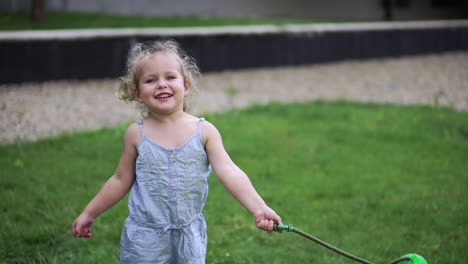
(36, 110)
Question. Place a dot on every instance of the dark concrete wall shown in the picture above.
(73, 57)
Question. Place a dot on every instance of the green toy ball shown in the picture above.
(415, 259)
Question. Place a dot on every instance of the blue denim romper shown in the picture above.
(166, 224)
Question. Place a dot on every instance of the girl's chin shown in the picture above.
(166, 110)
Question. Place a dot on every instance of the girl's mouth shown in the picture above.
(163, 96)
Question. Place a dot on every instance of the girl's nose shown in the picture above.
(161, 84)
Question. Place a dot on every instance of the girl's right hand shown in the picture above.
(265, 219)
(82, 226)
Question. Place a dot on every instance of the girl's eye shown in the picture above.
(171, 77)
(150, 81)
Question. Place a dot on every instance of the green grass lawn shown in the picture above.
(378, 181)
(73, 20)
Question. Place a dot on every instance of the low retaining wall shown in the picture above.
(28, 56)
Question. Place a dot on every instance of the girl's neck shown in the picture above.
(167, 118)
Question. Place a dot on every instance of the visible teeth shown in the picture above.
(164, 96)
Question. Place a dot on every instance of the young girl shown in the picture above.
(166, 162)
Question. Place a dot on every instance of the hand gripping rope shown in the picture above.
(406, 259)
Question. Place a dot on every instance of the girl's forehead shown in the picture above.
(164, 56)
(160, 60)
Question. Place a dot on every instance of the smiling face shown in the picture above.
(161, 85)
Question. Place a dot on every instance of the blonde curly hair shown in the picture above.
(129, 81)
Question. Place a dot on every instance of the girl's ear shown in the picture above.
(136, 94)
(187, 86)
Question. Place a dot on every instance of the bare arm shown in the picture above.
(115, 188)
(236, 181)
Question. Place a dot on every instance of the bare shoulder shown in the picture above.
(208, 128)
(132, 135)
(209, 132)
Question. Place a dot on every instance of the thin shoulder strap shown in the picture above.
(142, 129)
(199, 132)
(200, 123)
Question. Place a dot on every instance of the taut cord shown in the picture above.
(289, 228)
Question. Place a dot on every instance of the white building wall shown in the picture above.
(331, 9)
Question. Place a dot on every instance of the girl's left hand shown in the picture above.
(265, 219)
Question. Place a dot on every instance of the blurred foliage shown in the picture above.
(73, 20)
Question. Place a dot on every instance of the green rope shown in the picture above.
(406, 259)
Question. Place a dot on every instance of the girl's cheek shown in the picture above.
(144, 86)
